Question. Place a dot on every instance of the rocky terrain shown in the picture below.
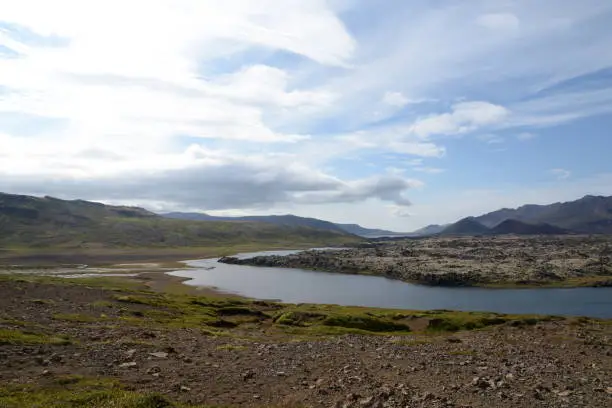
(467, 261)
(65, 344)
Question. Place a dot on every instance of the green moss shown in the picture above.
(297, 318)
(366, 323)
(239, 311)
(231, 347)
(79, 392)
(103, 304)
(9, 336)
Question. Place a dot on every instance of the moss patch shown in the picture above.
(366, 323)
(10, 336)
(79, 392)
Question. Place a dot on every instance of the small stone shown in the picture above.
(154, 370)
(428, 396)
(564, 393)
(46, 372)
(366, 401)
(128, 365)
(280, 374)
(609, 390)
(160, 354)
(130, 353)
(56, 358)
(256, 396)
(184, 388)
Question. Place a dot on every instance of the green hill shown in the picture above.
(47, 222)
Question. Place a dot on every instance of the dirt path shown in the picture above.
(77, 333)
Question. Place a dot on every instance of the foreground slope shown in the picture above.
(82, 345)
(27, 221)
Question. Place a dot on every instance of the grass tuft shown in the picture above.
(10, 336)
(367, 323)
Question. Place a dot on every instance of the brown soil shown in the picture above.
(552, 364)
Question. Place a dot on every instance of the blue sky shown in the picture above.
(391, 114)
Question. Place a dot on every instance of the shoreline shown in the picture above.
(587, 282)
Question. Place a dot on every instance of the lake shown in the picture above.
(303, 286)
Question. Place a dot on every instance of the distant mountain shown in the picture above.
(369, 232)
(291, 220)
(466, 226)
(432, 229)
(523, 228)
(193, 216)
(27, 221)
(590, 214)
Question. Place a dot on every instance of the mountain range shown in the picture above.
(27, 221)
(588, 215)
(291, 220)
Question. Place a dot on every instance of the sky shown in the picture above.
(388, 113)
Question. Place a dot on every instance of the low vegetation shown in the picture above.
(25, 337)
(80, 392)
(127, 335)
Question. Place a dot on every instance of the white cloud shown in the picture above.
(499, 21)
(139, 77)
(400, 212)
(490, 138)
(128, 86)
(561, 174)
(395, 99)
(203, 179)
(526, 136)
(464, 117)
(429, 170)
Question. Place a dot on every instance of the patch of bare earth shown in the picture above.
(550, 364)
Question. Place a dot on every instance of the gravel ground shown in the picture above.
(552, 364)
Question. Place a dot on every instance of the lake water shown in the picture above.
(303, 286)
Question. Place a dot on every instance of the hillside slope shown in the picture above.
(522, 228)
(590, 214)
(432, 229)
(465, 226)
(289, 220)
(27, 221)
